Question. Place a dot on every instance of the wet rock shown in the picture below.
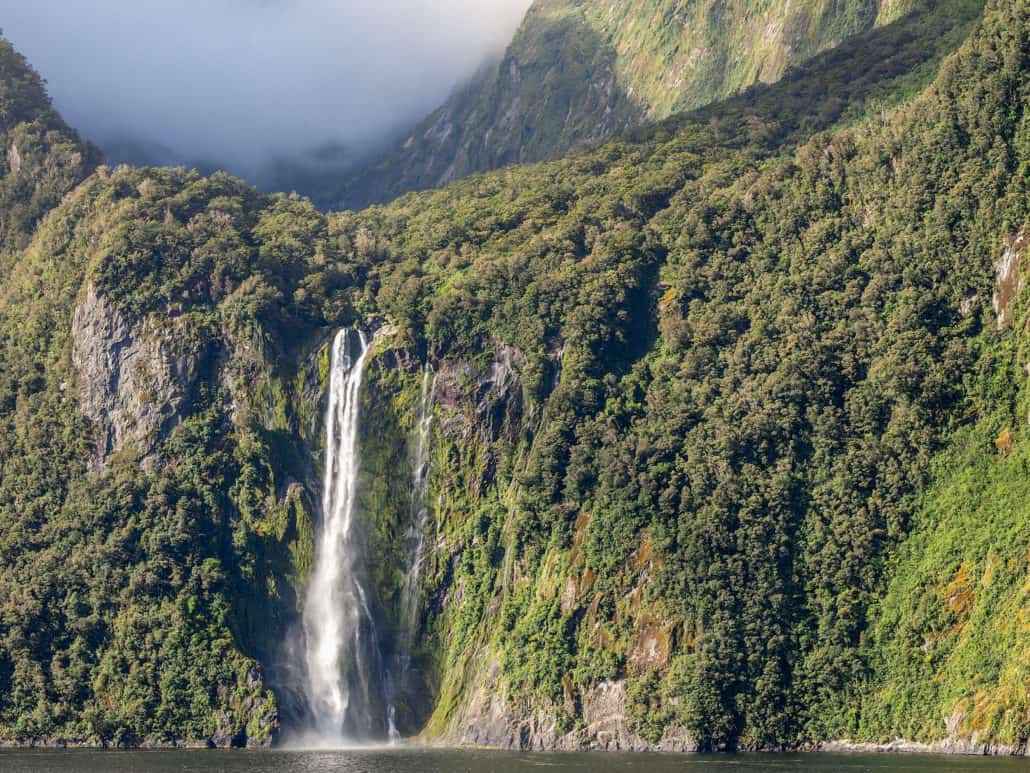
(488, 400)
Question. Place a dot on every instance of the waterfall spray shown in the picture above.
(419, 512)
(343, 682)
(418, 517)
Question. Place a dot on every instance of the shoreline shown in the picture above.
(944, 747)
(51, 744)
(957, 747)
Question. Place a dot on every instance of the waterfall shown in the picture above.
(559, 357)
(402, 686)
(350, 696)
(419, 513)
(343, 670)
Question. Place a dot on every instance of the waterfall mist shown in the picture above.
(359, 677)
(342, 654)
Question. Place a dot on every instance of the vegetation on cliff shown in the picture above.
(41, 159)
(761, 358)
(717, 403)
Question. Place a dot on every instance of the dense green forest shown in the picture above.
(42, 157)
(730, 418)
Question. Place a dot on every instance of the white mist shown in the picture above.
(341, 652)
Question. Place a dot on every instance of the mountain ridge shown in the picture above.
(42, 158)
(577, 73)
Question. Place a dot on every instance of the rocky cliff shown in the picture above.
(135, 381)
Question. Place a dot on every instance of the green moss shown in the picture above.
(302, 545)
(947, 647)
(324, 365)
(384, 491)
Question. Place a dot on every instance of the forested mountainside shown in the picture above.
(729, 440)
(41, 159)
(578, 72)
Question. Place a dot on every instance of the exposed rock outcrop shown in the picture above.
(494, 394)
(14, 159)
(1008, 277)
(963, 746)
(135, 380)
(489, 719)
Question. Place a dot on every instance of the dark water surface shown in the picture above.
(419, 761)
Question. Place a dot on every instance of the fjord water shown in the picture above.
(344, 682)
(402, 760)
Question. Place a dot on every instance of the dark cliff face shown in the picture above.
(579, 72)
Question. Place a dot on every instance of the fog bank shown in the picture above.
(241, 83)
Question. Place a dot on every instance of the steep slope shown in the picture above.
(702, 397)
(41, 159)
(746, 367)
(580, 71)
(146, 549)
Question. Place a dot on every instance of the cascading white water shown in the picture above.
(341, 651)
(350, 696)
(419, 512)
(400, 671)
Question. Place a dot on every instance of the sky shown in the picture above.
(241, 83)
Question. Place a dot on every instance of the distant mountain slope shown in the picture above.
(41, 158)
(581, 70)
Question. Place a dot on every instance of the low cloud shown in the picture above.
(243, 83)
